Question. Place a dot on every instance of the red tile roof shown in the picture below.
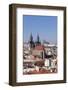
(39, 47)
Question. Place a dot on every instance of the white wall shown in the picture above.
(4, 44)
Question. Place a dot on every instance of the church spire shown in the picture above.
(31, 41)
(38, 40)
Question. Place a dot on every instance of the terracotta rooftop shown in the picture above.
(39, 47)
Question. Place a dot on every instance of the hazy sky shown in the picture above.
(45, 26)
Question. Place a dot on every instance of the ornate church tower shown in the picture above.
(32, 45)
(38, 40)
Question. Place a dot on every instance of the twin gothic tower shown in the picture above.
(34, 43)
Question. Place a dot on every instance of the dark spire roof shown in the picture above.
(38, 39)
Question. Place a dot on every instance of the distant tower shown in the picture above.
(38, 40)
(31, 41)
